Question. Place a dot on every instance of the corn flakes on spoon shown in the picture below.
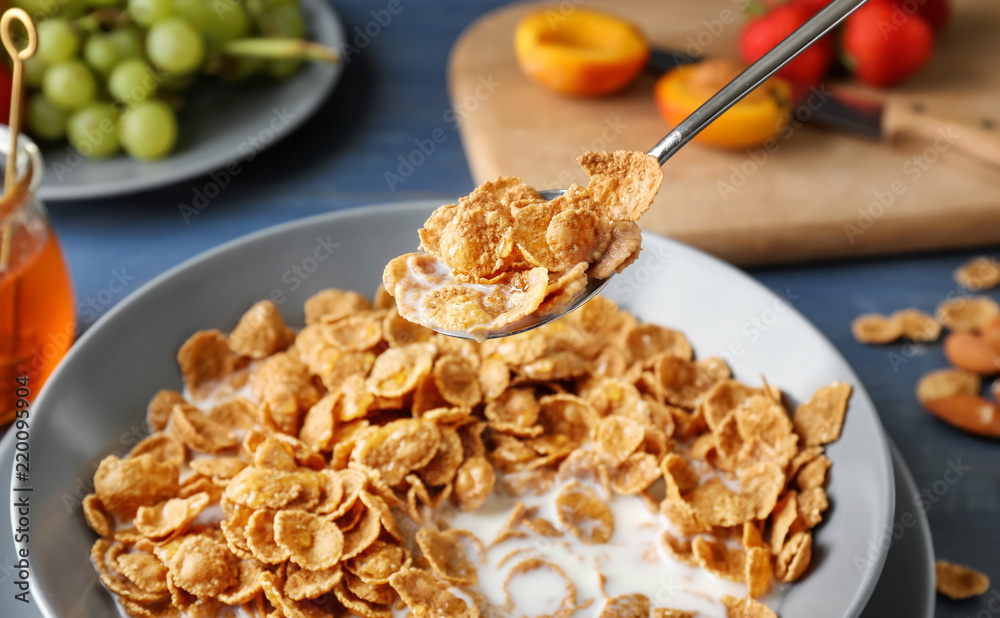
(508, 259)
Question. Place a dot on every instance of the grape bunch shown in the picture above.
(109, 74)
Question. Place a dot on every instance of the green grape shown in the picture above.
(45, 120)
(41, 10)
(35, 8)
(93, 131)
(128, 43)
(148, 12)
(175, 46)
(148, 130)
(132, 81)
(196, 12)
(57, 41)
(101, 54)
(34, 70)
(67, 9)
(287, 21)
(69, 85)
(230, 21)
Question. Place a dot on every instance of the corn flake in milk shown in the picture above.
(504, 252)
(366, 465)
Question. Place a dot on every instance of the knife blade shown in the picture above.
(875, 120)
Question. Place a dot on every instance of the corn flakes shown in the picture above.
(581, 511)
(397, 370)
(163, 447)
(626, 606)
(337, 464)
(124, 485)
(625, 182)
(794, 558)
(874, 328)
(819, 420)
(447, 556)
(663, 612)
(260, 332)
(917, 325)
(719, 559)
(746, 608)
(331, 305)
(623, 249)
(310, 541)
(959, 582)
(169, 518)
(158, 412)
(473, 483)
(426, 595)
(947, 383)
(979, 274)
(203, 566)
(205, 357)
(967, 314)
(758, 570)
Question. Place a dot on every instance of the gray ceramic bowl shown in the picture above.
(95, 402)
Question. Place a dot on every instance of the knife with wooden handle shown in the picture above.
(894, 119)
(909, 119)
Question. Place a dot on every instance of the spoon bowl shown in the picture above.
(530, 322)
(744, 83)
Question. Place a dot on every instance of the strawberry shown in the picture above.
(814, 6)
(936, 12)
(762, 33)
(883, 45)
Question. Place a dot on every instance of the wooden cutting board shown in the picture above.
(820, 194)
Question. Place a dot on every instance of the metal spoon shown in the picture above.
(755, 75)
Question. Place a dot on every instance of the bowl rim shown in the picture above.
(884, 464)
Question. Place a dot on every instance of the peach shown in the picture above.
(583, 53)
(759, 116)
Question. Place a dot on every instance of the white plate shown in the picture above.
(95, 401)
(219, 124)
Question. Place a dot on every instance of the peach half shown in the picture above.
(582, 53)
(758, 117)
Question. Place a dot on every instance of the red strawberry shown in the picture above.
(936, 12)
(883, 45)
(814, 6)
(762, 33)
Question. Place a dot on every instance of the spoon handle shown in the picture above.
(754, 76)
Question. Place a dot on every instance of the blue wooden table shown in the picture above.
(393, 92)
